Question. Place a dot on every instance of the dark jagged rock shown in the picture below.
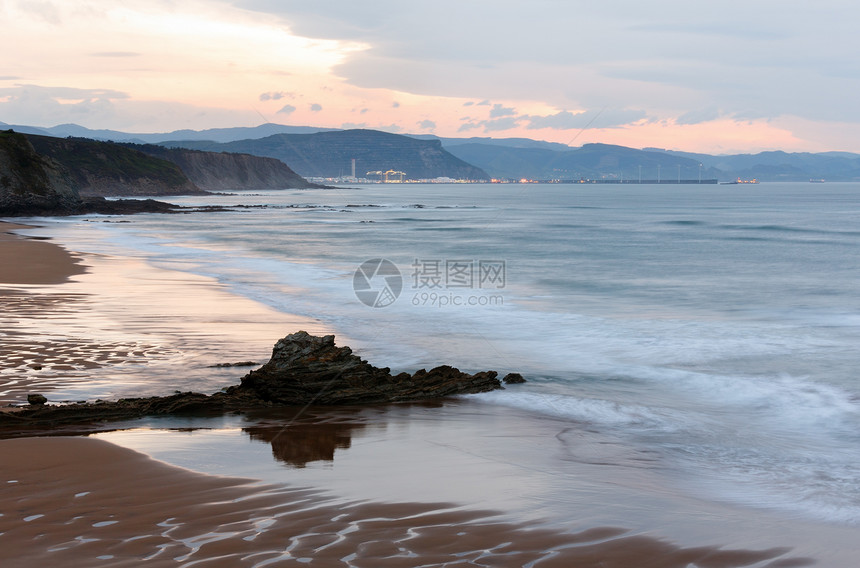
(239, 364)
(125, 206)
(124, 409)
(513, 379)
(36, 399)
(305, 369)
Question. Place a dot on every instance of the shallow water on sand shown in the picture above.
(530, 470)
(84, 502)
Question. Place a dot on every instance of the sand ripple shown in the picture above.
(85, 502)
(53, 356)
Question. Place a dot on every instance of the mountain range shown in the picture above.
(212, 134)
(605, 161)
(322, 152)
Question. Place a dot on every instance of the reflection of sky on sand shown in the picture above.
(114, 507)
(531, 469)
(127, 329)
(396, 453)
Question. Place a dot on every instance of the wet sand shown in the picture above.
(105, 327)
(83, 327)
(83, 502)
(33, 261)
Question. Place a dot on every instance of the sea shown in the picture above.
(710, 330)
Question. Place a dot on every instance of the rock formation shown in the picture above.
(304, 369)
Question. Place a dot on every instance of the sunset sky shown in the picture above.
(716, 77)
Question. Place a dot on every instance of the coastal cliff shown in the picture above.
(220, 171)
(31, 184)
(107, 169)
(44, 175)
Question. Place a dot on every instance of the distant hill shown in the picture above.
(592, 161)
(601, 161)
(330, 154)
(448, 143)
(784, 166)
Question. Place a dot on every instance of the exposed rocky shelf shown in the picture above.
(304, 369)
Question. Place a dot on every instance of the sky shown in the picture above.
(716, 77)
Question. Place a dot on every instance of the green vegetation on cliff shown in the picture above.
(104, 168)
(36, 183)
(22, 169)
(43, 175)
(31, 183)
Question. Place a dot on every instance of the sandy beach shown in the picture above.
(83, 502)
(64, 315)
(32, 261)
(453, 484)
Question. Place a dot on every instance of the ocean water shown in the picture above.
(715, 327)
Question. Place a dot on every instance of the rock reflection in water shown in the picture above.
(298, 438)
(298, 444)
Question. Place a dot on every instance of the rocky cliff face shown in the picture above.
(220, 171)
(31, 184)
(107, 169)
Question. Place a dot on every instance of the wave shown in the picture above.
(788, 229)
(783, 443)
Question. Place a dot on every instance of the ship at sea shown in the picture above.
(739, 181)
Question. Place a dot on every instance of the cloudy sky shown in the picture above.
(718, 77)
